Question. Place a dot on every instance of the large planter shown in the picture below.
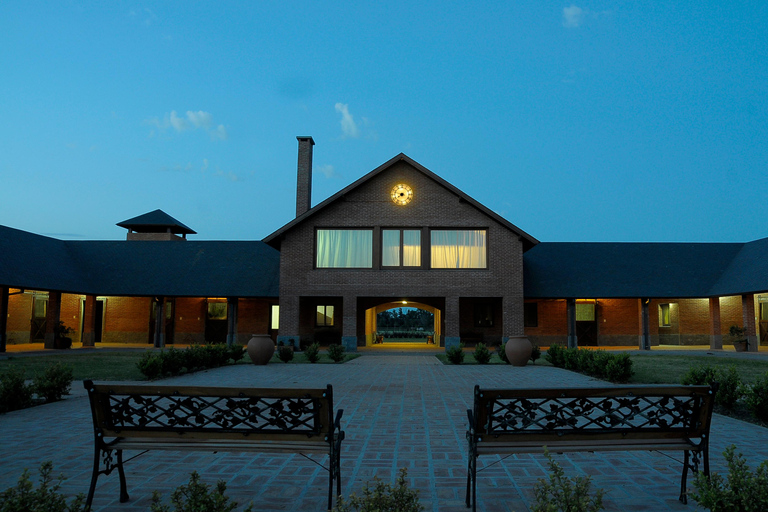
(518, 350)
(261, 348)
(740, 346)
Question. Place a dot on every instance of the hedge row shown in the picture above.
(595, 363)
(731, 389)
(49, 386)
(173, 362)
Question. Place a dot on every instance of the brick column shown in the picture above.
(159, 336)
(232, 306)
(645, 324)
(289, 318)
(451, 318)
(52, 318)
(89, 321)
(570, 308)
(748, 315)
(349, 324)
(3, 317)
(715, 328)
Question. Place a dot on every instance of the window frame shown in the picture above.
(401, 253)
(668, 322)
(484, 229)
(369, 229)
(325, 315)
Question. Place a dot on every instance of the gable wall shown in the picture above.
(370, 206)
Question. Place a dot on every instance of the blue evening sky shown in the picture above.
(585, 121)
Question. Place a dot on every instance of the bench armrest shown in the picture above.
(337, 421)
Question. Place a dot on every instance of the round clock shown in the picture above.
(402, 194)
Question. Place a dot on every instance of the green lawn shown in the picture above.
(98, 365)
(669, 369)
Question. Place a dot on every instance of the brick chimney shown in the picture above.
(304, 176)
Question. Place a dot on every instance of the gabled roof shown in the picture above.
(156, 222)
(189, 269)
(274, 238)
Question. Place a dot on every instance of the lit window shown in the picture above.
(216, 310)
(393, 252)
(585, 312)
(458, 248)
(275, 320)
(324, 316)
(344, 248)
(664, 315)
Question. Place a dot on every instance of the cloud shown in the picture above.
(348, 126)
(192, 121)
(329, 172)
(572, 16)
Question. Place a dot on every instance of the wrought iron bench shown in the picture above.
(146, 417)
(618, 418)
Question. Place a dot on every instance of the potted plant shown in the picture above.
(738, 338)
(61, 337)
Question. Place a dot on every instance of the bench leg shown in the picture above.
(472, 482)
(94, 477)
(109, 466)
(684, 479)
(121, 473)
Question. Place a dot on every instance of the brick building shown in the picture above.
(400, 236)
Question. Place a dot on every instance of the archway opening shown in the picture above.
(403, 323)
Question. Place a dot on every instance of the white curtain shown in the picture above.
(411, 248)
(459, 249)
(390, 247)
(344, 248)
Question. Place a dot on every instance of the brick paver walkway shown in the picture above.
(399, 411)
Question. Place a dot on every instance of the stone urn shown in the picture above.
(518, 350)
(261, 348)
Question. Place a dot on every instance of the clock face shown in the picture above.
(402, 194)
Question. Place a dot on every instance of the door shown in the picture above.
(168, 308)
(38, 322)
(216, 323)
(586, 324)
(764, 323)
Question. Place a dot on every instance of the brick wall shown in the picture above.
(126, 320)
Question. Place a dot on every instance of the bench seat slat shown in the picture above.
(219, 446)
(583, 446)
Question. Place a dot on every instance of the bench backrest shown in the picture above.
(211, 412)
(617, 412)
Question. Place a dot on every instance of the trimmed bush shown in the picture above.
(312, 353)
(535, 353)
(236, 352)
(383, 497)
(482, 354)
(555, 355)
(15, 393)
(150, 365)
(757, 398)
(336, 352)
(596, 363)
(730, 390)
(54, 382)
(619, 368)
(46, 498)
(285, 354)
(196, 496)
(455, 354)
(174, 362)
(501, 351)
(741, 490)
(563, 493)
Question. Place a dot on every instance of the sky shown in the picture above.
(590, 121)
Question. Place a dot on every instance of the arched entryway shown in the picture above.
(405, 322)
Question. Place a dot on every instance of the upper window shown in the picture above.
(344, 248)
(400, 248)
(458, 248)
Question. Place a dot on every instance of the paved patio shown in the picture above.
(400, 410)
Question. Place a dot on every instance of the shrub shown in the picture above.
(556, 355)
(563, 493)
(383, 497)
(285, 354)
(501, 350)
(236, 352)
(571, 359)
(455, 354)
(619, 368)
(757, 398)
(15, 393)
(535, 353)
(24, 497)
(336, 352)
(54, 382)
(730, 389)
(584, 360)
(174, 361)
(150, 365)
(741, 490)
(194, 358)
(312, 353)
(217, 355)
(197, 497)
(482, 354)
